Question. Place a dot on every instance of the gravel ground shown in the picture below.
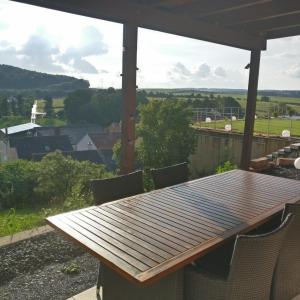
(32, 269)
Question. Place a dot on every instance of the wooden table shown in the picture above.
(145, 237)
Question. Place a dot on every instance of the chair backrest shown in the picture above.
(105, 190)
(170, 175)
(286, 281)
(253, 263)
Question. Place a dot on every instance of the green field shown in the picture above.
(19, 220)
(58, 104)
(262, 126)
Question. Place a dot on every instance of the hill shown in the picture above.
(16, 80)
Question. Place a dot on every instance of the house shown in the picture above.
(25, 147)
(103, 143)
(98, 141)
(74, 132)
(20, 130)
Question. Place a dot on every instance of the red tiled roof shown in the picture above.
(105, 141)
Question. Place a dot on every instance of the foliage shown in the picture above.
(56, 180)
(16, 220)
(101, 107)
(227, 166)
(48, 108)
(19, 105)
(14, 80)
(17, 181)
(71, 269)
(166, 135)
(64, 181)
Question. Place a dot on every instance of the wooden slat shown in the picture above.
(148, 236)
(154, 231)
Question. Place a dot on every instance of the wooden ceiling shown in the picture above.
(245, 24)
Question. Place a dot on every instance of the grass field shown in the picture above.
(13, 221)
(262, 126)
(58, 104)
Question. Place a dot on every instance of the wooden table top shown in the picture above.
(148, 236)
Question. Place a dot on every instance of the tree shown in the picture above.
(265, 99)
(48, 106)
(101, 107)
(165, 134)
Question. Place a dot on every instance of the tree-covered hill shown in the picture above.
(21, 80)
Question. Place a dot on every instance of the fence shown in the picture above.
(232, 119)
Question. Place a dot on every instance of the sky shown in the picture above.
(59, 43)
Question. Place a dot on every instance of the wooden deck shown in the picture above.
(148, 236)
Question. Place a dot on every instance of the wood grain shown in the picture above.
(148, 236)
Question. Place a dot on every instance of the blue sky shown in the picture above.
(59, 43)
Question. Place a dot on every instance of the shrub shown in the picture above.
(227, 166)
(55, 181)
(64, 181)
(17, 182)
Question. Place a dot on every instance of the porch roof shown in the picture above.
(245, 24)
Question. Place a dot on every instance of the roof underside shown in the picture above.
(245, 24)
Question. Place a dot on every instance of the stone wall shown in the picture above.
(214, 147)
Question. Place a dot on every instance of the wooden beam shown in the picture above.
(250, 110)
(147, 17)
(226, 7)
(264, 26)
(130, 33)
(268, 10)
(283, 32)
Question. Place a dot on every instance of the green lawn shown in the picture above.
(12, 221)
(17, 220)
(262, 126)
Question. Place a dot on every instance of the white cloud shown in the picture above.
(219, 71)
(203, 71)
(294, 71)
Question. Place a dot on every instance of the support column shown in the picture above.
(130, 33)
(250, 110)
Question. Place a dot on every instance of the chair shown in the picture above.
(170, 175)
(110, 189)
(286, 282)
(250, 273)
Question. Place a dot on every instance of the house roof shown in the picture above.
(105, 141)
(19, 128)
(245, 24)
(74, 132)
(26, 146)
(88, 155)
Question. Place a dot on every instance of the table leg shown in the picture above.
(116, 287)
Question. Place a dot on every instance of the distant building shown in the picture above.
(74, 132)
(25, 147)
(103, 143)
(98, 141)
(20, 130)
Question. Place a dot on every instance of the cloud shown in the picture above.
(203, 71)
(91, 43)
(38, 53)
(294, 71)
(181, 69)
(219, 71)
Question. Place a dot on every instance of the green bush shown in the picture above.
(227, 166)
(17, 182)
(56, 181)
(64, 181)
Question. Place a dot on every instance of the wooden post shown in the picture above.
(250, 110)
(130, 33)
